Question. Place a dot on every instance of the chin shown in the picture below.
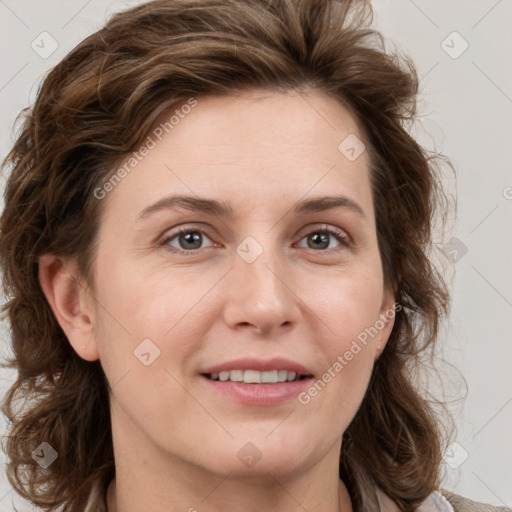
(255, 456)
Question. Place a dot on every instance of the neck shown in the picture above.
(151, 478)
(229, 495)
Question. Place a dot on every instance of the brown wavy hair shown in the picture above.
(98, 105)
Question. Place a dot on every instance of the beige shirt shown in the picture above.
(438, 501)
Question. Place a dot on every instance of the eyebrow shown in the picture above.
(224, 209)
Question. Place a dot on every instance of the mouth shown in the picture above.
(258, 382)
(256, 377)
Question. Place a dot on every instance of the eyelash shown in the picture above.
(338, 234)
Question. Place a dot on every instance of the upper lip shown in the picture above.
(261, 365)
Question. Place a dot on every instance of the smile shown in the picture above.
(255, 376)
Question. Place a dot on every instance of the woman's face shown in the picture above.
(268, 277)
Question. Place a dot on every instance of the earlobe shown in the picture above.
(69, 304)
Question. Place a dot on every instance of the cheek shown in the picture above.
(146, 334)
(348, 307)
(169, 310)
(347, 303)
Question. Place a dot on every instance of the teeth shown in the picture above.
(252, 377)
(269, 377)
(282, 375)
(236, 375)
(255, 377)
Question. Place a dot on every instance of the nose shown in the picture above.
(260, 296)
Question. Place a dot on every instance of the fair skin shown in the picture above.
(177, 433)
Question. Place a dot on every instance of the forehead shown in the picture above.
(311, 121)
(256, 147)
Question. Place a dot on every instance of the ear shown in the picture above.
(387, 313)
(71, 304)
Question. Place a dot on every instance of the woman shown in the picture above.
(215, 245)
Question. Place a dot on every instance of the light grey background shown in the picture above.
(466, 106)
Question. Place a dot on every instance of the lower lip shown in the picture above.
(259, 394)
